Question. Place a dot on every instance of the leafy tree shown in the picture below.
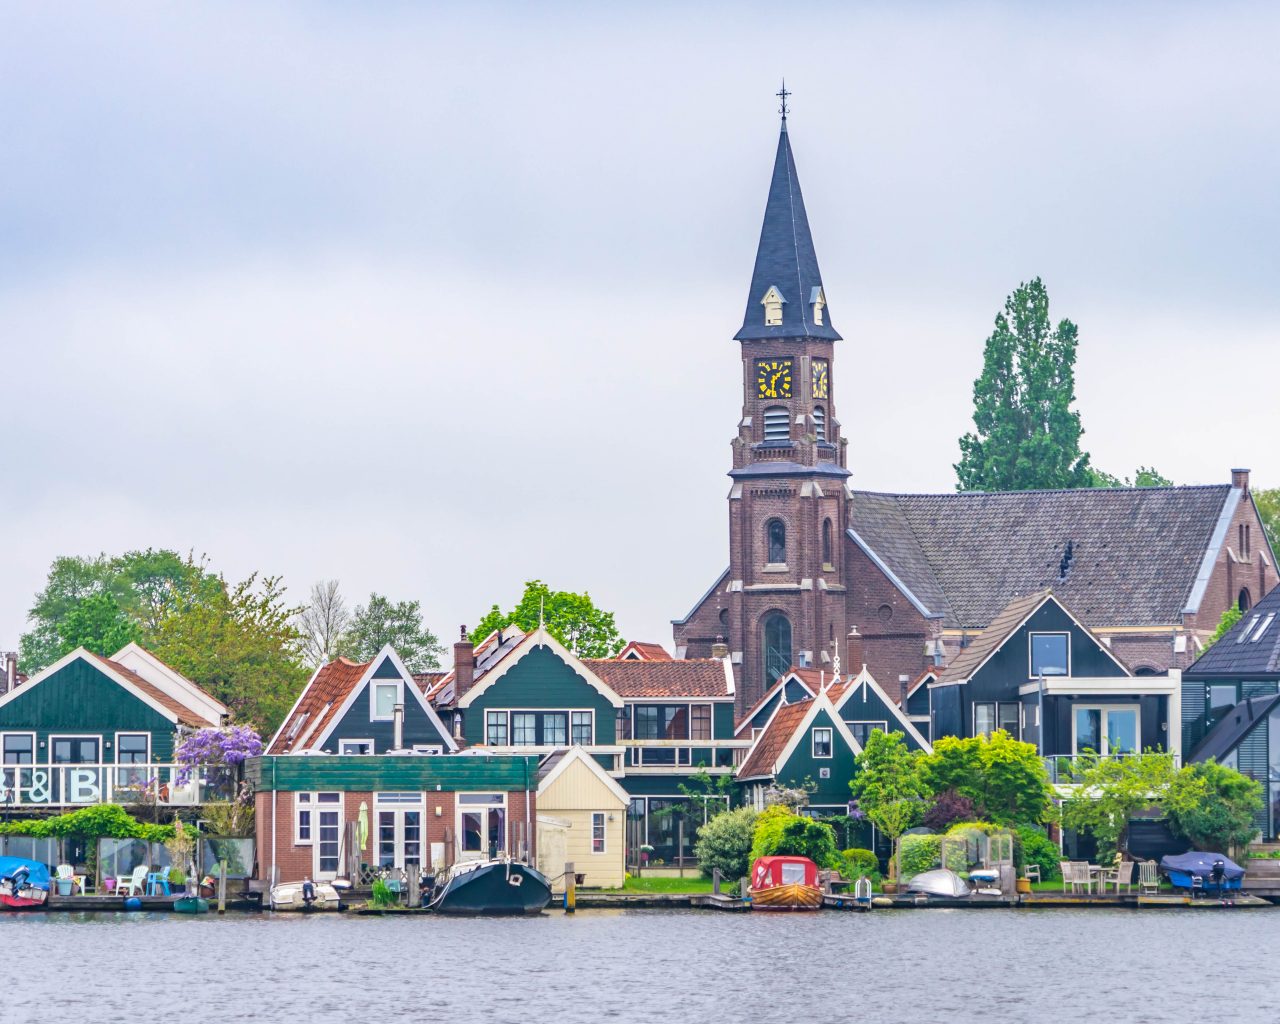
(781, 832)
(96, 623)
(1116, 788)
(1027, 435)
(1213, 806)
(1145, 476)
(724, 842)
(241, 646)
(1229, 618)
(1268, 502)
(954, 766)
(573, 619)
(381, 622)
(1004, 778)
(322, 622)
(888, 785)
(948, 807)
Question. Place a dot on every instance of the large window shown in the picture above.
(776, 537)
(482, 819)
(662, 721)
(495, 730)
(524, 729)
(1106, 730)
(19, 748)
(777, 647)
(988, 716)
(385, 697)
(1050, 654)
(542, 728)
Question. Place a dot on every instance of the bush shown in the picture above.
(382, 895)
(948, 808)
(1038, 848)
(1212, 806)
(779, 832)
(858, 863)
(97, 822)
(724, 842)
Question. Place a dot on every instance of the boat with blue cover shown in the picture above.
(24, 884)
(1200, 871)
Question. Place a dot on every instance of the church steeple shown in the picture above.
(786, 263)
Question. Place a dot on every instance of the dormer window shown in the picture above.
(819, 302)
(772, 303)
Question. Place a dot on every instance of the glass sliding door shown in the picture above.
(1107, 730)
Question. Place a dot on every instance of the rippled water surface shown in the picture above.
(669, 967)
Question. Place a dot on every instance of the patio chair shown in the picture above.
(1064, 869)
(1122, 875)
(1080, 875)
(132, 885)
(1148, 877)
(65, 877)
(1031, 872)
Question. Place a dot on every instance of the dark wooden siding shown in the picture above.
(802, 767)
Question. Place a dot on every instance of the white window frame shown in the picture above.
(604, 832)
(1031, 672)
(461, 807)
(35, 749)
(568, 725)
(373, 747)
(373, 698)
(1136, 708)
(506, 718)
(299, 800)
(591, 725)
(831, 742)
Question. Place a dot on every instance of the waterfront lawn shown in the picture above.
(692, 884)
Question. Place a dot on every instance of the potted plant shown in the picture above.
(177, 881)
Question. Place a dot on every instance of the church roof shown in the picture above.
(1132, 556)
(1249, 649)
(785, 260)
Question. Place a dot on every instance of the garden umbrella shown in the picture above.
(362, 826)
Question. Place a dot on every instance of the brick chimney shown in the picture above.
(9, 680)
(857, 660)
(464, 665)
(719, 649)
(1240, 479)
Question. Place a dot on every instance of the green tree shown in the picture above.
(98, 624)
(1026, 434)
(724, 842)
(1005, 778)
(956, 765)
(781, 832)
(241, 646)
(1229, 618)
(382, 622)
(1145, 476)
(1116, 788)
(573, 619)
(887, 784)
(1268, 502)
(1213, 806)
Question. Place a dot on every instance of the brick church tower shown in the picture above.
(782, 601)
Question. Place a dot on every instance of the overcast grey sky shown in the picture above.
(437, 299)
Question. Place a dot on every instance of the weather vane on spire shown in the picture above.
(782, 94)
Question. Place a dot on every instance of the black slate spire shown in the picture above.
(786, 260)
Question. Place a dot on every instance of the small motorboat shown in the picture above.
(305, 897)
(191, 905)
(24, 884)
(496, 886)
(939, 882)
(785, 883)
(1197, 871)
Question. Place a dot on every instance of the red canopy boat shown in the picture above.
(785, 883)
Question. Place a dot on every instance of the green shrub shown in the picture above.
(724, 842)
(97, 822)
(1038, 848)
(780, 832)
(382, 895)
(858, 863)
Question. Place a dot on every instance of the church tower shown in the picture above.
(785, 591)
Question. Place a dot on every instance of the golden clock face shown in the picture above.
(821, 380)
(773, 378)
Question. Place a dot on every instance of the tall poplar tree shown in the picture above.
(1027, 436)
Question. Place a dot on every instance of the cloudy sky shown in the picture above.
(438, 299)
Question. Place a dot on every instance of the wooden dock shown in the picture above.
(152, 904)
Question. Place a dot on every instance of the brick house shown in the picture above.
(1150, 570)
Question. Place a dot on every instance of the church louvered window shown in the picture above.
(777, 424)
(820, 423)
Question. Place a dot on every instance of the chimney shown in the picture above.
(1240, 479)
(857, 661)
(464, 665)
(719, 649)
(397, 727)
(10, 680)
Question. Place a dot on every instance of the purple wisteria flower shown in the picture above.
(210, 747)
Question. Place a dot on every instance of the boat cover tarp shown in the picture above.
(37, 873)
(1196, 862)
(939, 882)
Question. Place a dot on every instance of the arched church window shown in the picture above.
(776, 533)
(1245, 601)
(826, 542)
(820, 423)
(777, 647)
(777, 423)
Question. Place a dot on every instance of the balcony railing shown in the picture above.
(1065, 769)
(672, 755)
(79, 785)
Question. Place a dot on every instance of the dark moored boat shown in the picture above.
(1204, 872)
(490, 887)
(24, 884)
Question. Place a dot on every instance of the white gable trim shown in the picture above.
(103, 666)
(892, 576)
(820, 703)
(1210, 559)
(284, 724)
(576, 753)
(779, 686)
(179, 687)
(539, 638)
(406, 683)
(866, 677)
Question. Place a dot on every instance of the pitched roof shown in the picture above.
(185, 715)
(785, 259)
(1123, 555)
(1249, 648)
(1233, 727)
(488, 652)
(638, 650)
(769, 694)
(320, 702)
(991, 639)
(690, 677)
(773, 741)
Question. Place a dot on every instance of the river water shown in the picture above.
(1025, 966)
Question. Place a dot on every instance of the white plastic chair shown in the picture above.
(131, 885)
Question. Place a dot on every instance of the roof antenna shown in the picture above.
(782, 94)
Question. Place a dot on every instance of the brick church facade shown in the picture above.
(819, 571)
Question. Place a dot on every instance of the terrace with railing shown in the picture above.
(1067, 769)
(79, 785)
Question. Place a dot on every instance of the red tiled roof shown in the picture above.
(691, 677)
(427, 681)
(489, 653)
(645, 652)
(769, 747)
(319, 703)
(184, 714)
